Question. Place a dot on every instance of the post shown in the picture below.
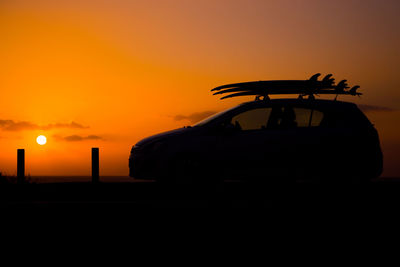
(20, 166)
(95, 165)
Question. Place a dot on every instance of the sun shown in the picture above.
(41, 140)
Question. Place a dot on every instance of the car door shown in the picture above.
(300, 140)
(279, 140)
(244, 143)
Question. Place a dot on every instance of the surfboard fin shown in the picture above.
(353, 90)
(314, 78)
(341, 86)
(328, 80)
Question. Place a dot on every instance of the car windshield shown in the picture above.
(212, 117)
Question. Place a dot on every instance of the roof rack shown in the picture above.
(308, 87)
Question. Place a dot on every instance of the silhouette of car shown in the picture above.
(263, 140)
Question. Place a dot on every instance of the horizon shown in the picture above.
(109, 73)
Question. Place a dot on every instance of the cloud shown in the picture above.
(72, 125)
(10, 125)
(195, 117)
(371, 108)
(78, 138)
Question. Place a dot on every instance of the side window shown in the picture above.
(302, 116)
(255, 119)
(316, 118)
(288, 117)
(306, 117)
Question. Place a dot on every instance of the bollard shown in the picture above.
(95, 165)
(20, 166)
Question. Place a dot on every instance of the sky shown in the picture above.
(109, 73)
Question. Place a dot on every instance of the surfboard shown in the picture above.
(274, 87)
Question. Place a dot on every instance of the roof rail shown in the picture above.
(309, 87)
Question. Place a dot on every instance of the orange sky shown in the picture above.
(108, 73)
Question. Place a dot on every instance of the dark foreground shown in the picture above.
(381, 193)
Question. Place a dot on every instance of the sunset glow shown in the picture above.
(108, 73)
(41, 140)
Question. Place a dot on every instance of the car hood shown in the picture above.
(163, 135)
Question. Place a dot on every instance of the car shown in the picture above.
(283, 139)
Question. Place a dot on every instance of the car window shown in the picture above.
(306, 117)
(302, 116)
(277, 117)
(287, 117)
(255, 119)
(213, 117)
(317, 117)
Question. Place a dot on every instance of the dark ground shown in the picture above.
(122, 192)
